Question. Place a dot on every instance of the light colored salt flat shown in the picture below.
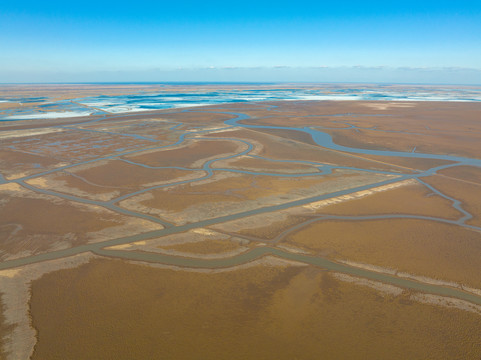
(26, 133)
(49, 115)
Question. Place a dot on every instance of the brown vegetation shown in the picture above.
(116, 173)
(112, 309)
(15, 163)
(189, 155)
(32, 223)
(420, 247)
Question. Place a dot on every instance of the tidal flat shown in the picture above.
(223, 221)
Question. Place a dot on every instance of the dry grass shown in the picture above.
(232, 188)
(112, 309)
(227, 193)
(186, 156)
(413, 199)
(424, 248)
(37, 224)
(116, 173)
(76, 145)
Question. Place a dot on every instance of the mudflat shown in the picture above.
(274, 229)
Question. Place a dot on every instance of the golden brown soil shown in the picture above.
(112, 309)
(188, 155)
(205, 247)
(420, 247)
(468, 193)
(413, 199)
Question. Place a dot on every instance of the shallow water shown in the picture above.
(172, 99)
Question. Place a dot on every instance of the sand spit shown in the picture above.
(15, 286)
(379, 286)
(357, 195)
(416, 296)
(268, 260)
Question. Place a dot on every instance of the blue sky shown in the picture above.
(345, 41)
